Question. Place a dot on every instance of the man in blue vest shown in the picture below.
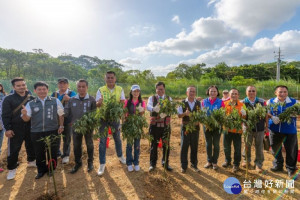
(189, 139)
(47, 119)
(64, 94)
(283, 132)
(251, 101)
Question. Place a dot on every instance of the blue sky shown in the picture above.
(155, 34)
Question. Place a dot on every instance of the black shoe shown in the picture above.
(151, 168)
(226, 164)
(195, 169)
(168, 168)
(40, 175)
(183, 170)
(291, 173)
(75, 168)
(277, 169)
(90, 167)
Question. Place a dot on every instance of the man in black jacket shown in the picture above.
(16, 129)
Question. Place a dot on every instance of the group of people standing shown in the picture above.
(30, 119)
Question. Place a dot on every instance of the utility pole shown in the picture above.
(278, 64)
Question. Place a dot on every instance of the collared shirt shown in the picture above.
(191, 104)
(85, 97)
(29, 111)
(98, 95)
(150, 102)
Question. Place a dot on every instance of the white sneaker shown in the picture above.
(137, 168)
(122, 160)
(101, 170)
(65, 160)
(11, 174)
(31, 164)
(130, 168)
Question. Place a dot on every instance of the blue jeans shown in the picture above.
(212, 145)
(135, 159)
(117, 139)
(1, 139)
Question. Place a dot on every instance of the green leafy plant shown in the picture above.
(133, 128)
(87, 123)
(290, 112)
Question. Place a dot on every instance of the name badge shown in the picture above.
(36, 109)
(74, 104)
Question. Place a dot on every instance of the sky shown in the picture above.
(155, 34)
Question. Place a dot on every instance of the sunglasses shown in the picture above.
(251, 91)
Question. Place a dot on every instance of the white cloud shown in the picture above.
(130, 61)
(139, 30)
(162, 70)
(207, 33)
(260, 51)
(237, 53)
(253, 16)
(234, 20)
(176, 19)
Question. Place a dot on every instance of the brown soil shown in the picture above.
(118, 183)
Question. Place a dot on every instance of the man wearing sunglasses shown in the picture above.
(257, 134)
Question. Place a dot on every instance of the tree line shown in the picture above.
(39, 65)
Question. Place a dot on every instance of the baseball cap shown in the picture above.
(135, 87)
(63, 80)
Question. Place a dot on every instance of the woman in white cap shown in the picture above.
(135, 105)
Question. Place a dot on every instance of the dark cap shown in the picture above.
(63, 80)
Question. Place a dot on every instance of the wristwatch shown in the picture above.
(61, 127)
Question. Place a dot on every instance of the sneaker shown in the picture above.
(225, 164)
(137, 168)
(65, 160)
(130, 168)
(11, 174)
(101, 170)
(208, 165)
(1, 169)
(235, 168)
(31, 164)
(122, 160)
(215, 166)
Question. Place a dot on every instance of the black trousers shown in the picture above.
(40, 149)
(157, 133)
(291, 147)
(189, 140)
(77, 146)
(22, 133)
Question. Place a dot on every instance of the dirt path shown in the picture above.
(118, 183)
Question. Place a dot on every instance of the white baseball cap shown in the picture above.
(135, 87)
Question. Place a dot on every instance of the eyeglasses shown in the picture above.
(251, 91)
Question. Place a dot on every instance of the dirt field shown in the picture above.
(118, 183)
